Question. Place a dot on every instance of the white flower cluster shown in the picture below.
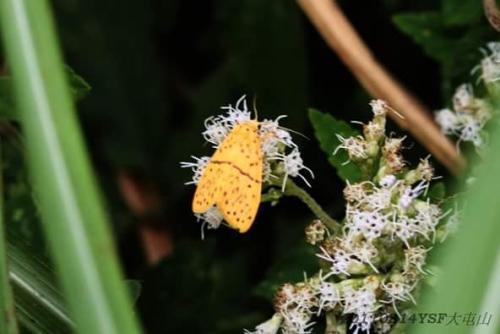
(468, 117)
(297, 304)
(281, 156)
(362, 303)
(490, 64)
(391, 208)
(470, 114)
(373, 263)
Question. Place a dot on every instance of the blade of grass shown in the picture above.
(469, 285)
(39, 303)
(74, 219)
(8, 323)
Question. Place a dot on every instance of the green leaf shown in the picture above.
(40, 305)
(427, 30)
(443, 44)
(437, 191)
(326, 129)
(8, 323)
(78, 86)
(461, 12)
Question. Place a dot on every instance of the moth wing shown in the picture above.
(208, 188)
(232, 179)
(239, 200)
(241, 157)
(242, 149)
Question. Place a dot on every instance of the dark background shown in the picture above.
(159, 68)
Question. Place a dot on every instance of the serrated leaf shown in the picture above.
(442, 44)
(461, 12)
(326, 129)
(426, 29)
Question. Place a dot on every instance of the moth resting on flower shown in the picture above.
(248, 153)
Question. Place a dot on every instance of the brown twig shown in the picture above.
(339, 34)
(492, 13)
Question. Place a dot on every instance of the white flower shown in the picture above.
(490, 64)
(379, 199)
(356, 147)
(354, 193)
(272, 135)
(271, 326)
(361, 303)
(292, 165)
(212, 219)
(427, 217)
(329, 295)
(198, 166)
(237, 114)
(296, 321)
(362, 322)
(398, 291)
(415, 259)
(471, 130)
(463, 99)
(379, 107)
(405, 228)
(215, 131)
(340, 261)
(300, 296)
(369, 224)
(393, 145)
(274, 141)
(218, 127)
(448, 121)
(364, 251)
(387, 181)
(409, 194)
(295, 303)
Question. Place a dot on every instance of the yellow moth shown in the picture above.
(232, 179)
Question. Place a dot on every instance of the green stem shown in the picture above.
(334, 325)
(292, 189)
(8, 323)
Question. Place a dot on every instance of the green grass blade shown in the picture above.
(39, 303)
(468, 288)
(8, 323)
(74, 220)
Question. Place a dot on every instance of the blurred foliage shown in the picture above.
(159, 68)
(452, 35)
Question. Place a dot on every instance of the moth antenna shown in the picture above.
(296, 132)
(255, 107)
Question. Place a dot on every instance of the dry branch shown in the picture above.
(339, 34)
